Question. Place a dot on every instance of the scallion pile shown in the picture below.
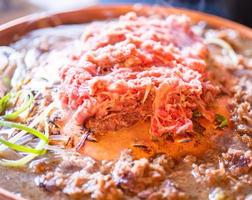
(6, 120)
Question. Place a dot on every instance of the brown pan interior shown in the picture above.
(11, 31)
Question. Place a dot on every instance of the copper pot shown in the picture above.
(13, 30)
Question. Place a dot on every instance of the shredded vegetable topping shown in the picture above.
(4, 101)
(221, 121)
(27, 103)
(124, 61)
(24, 128)
(11, 142)
(38, 150)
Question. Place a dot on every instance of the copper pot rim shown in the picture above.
(12, 30)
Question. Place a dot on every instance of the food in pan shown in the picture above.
(143, 107)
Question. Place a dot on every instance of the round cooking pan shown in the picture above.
(13, 30)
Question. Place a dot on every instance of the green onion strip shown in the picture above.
(27, 103)
(35, 122)
(23, 161)
(24, 128)
(32, 152)
(20, 148)
(4, 101)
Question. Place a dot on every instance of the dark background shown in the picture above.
(237, 10)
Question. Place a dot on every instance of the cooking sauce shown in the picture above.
(195, 176)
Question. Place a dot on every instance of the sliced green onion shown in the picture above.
(24, 128)
(26, 159)
(40, 146)
(221, 121)
(4, 101)
(27, 103)
(35, 122)
(21, 148)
